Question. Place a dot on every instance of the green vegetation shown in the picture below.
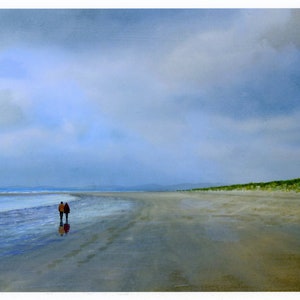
(272, 186)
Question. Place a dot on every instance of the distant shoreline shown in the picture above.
(115, 193)
(292, 185)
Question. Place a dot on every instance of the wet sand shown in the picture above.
(181, 241)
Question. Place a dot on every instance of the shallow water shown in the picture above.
(30, 221)
(16, 201)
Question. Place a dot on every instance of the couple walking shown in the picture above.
(63, 208)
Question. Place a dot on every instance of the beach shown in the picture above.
(166, 241)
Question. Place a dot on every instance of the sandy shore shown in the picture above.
(184, 241)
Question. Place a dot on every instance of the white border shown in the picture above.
(146, 4)
(25, 4)
(156, 296)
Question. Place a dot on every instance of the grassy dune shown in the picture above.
(280, 185)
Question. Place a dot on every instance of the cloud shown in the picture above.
(230, 72)
(11, 114)
(259, 148)
(130, 97)
(83, 29)
(11, 68)
(285, 34)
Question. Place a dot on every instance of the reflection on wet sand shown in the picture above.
(63, 228)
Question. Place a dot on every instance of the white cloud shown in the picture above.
(11, 114)
(221, 57)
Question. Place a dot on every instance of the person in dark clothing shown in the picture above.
(66, 210)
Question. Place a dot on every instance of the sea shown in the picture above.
(30, 220)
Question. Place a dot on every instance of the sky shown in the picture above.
(148, 96)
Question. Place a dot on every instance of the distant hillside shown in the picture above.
(281, 185)
(105, 188)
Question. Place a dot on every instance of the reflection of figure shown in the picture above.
(66, 211)
(61, 229)
(67, 227)
(61, 210)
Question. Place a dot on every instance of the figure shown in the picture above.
(61, 229)
(67, 227)
(66, 211)
(61, 210)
